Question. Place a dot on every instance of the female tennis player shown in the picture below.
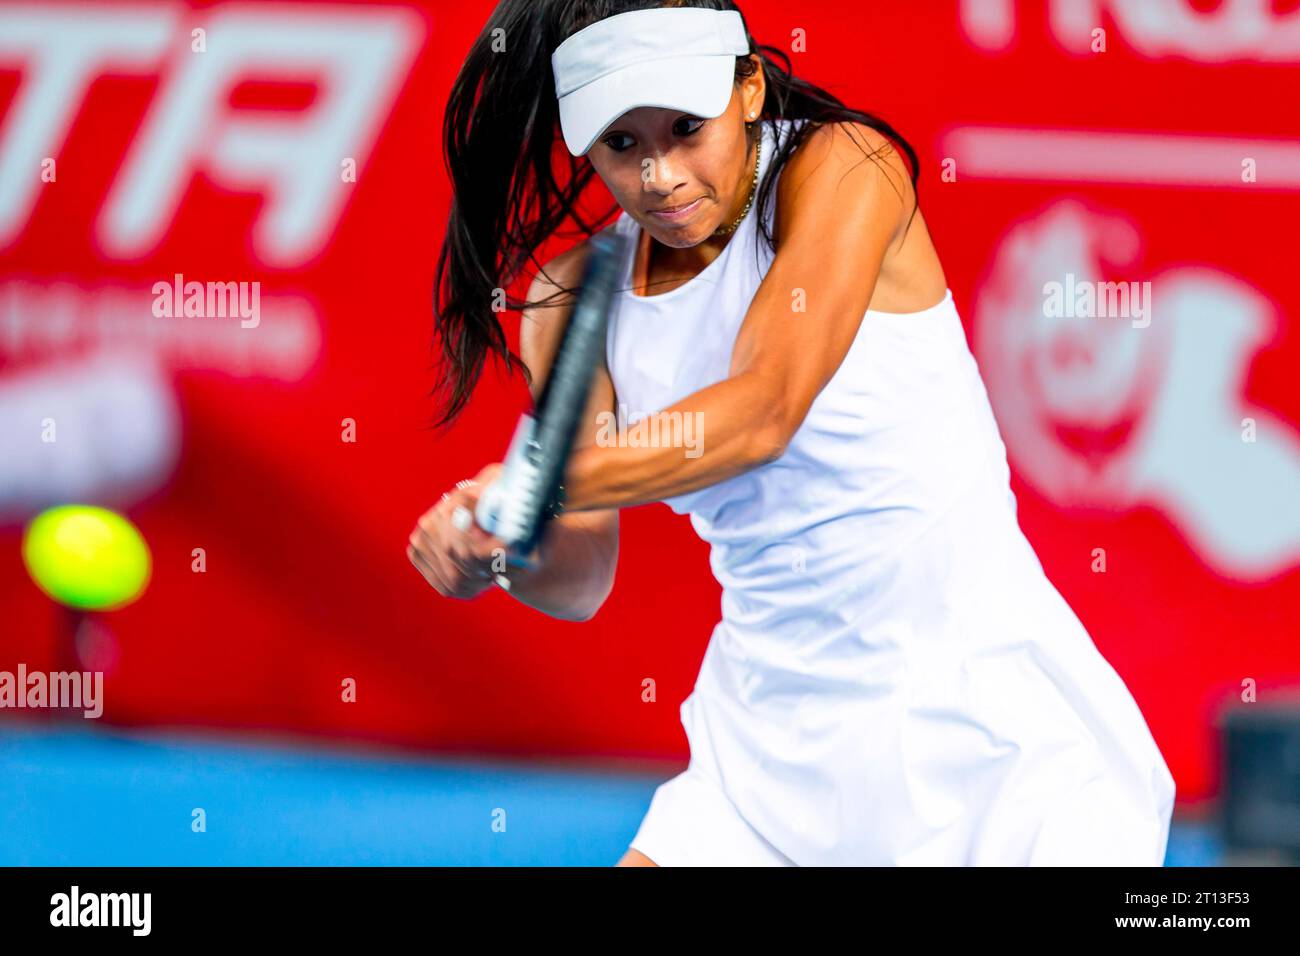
(894, 680)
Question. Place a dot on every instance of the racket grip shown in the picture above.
(510, 508)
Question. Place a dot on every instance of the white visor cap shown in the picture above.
(683, 58)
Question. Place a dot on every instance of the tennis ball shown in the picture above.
(86, 557)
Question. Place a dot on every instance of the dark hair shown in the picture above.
(499, 132)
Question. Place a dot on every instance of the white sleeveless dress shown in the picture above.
(894, 680)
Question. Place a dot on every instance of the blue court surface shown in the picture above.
(72, 797)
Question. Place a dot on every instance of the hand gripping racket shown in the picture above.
(514, 507)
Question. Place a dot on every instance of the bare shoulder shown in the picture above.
(559, 274)
(544, 321)
(836, 148)
(844, 161)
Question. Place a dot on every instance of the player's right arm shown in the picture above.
(573, 570)
(579, 550)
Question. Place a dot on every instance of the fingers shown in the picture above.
(471, 545)
(451, 551)
(427, 571)
(462, 519)
(444, 577)
(447, 577)
(444, 556)
(436, 534)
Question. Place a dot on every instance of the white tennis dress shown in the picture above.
(894, 680)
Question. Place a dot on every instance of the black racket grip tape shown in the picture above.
(565, 395)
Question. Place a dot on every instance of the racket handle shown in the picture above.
(511, 507)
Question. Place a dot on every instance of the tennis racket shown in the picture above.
(514, 507)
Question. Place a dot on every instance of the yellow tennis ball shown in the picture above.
(86, 557)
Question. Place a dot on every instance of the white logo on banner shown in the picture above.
(1234, 30)
(1099, 412)
(360, 54)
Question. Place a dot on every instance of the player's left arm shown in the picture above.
(838, 211)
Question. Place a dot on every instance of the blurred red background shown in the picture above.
(229, 439)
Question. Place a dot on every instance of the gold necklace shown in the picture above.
(753, 191)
